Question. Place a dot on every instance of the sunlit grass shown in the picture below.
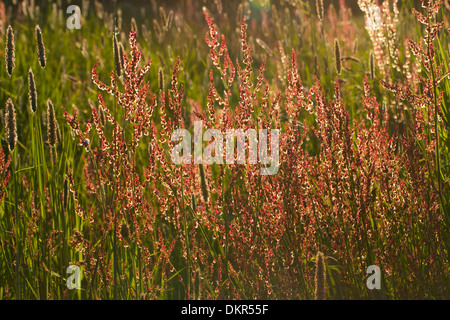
(222, 232)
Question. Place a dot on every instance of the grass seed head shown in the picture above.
(102, 117)
(169, 20)
(121, 53)
(66, 192)
(157, 30)
(355, 46)
(52, 126)
(116, 56)
(161, 79)
(264, 45)
(203, 185)
(40, 46)
(10, 56)
(32, 91)
(163, 16)
(240, 14)
(337, 56)
(10, 125)
(194, 205)
(319, 9)
(320, 277)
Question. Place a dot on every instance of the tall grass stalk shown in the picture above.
(436, 114)
(17, 228)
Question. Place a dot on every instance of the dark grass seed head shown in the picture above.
(161, 79)
(10, 55)
(337, 56)
(66, 192)
(101, 116)
(52, 126)
(116, 56)
(203, 184)
(194, 205)
(40, 46)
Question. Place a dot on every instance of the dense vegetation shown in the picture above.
(361, 99)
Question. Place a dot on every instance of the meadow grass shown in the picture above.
(364, 167)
